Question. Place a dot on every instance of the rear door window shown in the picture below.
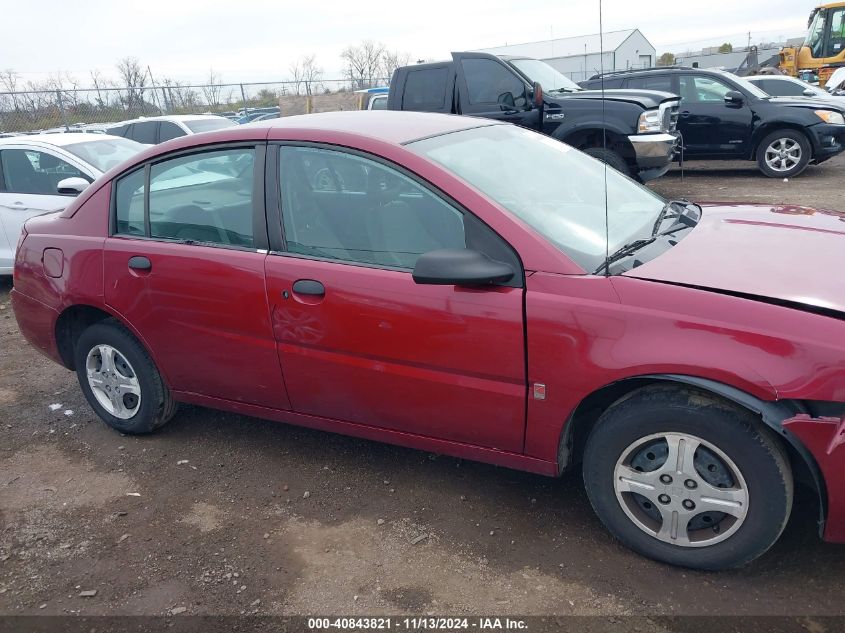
(426, 90)
(168, 131)
(204, 198)
(144, 132)
(654, 82)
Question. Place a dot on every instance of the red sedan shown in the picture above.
(470, 288)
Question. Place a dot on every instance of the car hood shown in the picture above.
(822, 103)
(646, 98)
(788, 254)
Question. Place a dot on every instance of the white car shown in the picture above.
(784, 86)
(157, 129)
(42, 173)
(836, 84)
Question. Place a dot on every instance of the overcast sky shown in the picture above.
(257, 40)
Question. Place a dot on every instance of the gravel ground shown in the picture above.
(225, 514)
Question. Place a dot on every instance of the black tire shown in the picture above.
(611, 158)
(754, 449)
(790, 135)
(156, 407)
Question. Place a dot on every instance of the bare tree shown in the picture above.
(312, 73)
(100, 85)
(180, 96)
(391, 60)
(9, 82)
(133, 79)
(213, 89)
(363, 63)
(295, 70)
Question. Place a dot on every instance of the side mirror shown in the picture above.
(460, 267)
(72, 186)
(734, 97)
(809, 93)
(538, 94)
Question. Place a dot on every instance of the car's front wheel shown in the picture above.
(120, 380)
(611, 158)
(784, 153)
(685, 478)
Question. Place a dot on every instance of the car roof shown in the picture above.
(786, 77)
(57, 140)
(383, 125)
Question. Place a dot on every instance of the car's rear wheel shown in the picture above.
(784, 153)
(685, 478)
(120, 380)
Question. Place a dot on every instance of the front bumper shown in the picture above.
(824, 438)
(828, 141)
(653, 153)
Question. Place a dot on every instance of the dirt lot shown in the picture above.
(226, 514)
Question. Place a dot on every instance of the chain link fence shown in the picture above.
(95, 109)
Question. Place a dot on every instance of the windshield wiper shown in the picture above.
(632, 247)
(684, 219)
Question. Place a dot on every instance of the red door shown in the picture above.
(358, 339)
(203, 313)
(185, 269)
(378, 349)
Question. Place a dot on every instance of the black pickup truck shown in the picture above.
(631, 130)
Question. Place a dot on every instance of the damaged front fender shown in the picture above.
(824, 439)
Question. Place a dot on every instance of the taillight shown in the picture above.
(21, 239)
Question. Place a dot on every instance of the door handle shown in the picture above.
(20, 206)
(309, 287)
(685, 113)
(139, 262)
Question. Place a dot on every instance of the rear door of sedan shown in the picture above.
(358, 339)
(184, 264)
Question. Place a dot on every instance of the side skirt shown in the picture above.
(390, 436)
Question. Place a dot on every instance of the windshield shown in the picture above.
(746, 85)
(547, 76)
(554, 188)
(105, 153)
(207, 125)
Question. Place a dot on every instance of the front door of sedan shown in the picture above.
(358, 339)
(711, 127)
(184, 265)
(28, 187)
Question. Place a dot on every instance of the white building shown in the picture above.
(581, 57)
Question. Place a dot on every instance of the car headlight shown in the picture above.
(649, 121)
(829, 116)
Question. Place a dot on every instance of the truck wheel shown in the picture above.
(684, 478)
(120, 380)
(784, 153)
(611, 158)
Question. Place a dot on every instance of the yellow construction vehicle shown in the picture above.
(824, 49)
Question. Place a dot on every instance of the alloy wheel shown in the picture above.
(681, 489)
(113, 381)
(783, 154)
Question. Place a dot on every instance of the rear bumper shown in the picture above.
(828, 141)
(37, 323)
(653, 153)
(824, 438)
